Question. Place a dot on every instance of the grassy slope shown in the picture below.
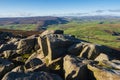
(27, 27)
(82, 30)
(23, 33)
(92, 31)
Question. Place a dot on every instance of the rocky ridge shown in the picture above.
(53, 55)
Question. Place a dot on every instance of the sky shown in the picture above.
(26, 8)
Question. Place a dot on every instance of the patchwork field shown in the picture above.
(104, 30)
(27, 27)
(106, 33)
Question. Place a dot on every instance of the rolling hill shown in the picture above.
(30, 23)
(103, 30)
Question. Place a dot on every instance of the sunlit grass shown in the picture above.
(27, 27)
(91, 31)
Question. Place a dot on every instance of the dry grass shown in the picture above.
(21, 32)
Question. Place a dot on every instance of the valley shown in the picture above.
(97, 30)
(104, 30)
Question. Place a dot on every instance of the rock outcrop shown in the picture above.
(5, 66)
(31, 76)
(56, 45)
(75, 68)
(26, 45)
(105, 70)
(86, 50)
(53, 55)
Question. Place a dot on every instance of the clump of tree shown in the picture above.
(102, 22)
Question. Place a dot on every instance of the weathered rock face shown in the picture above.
(5, 66)
(38, 54)
(101, 57)
(105, 71)
(75, 49)
(47, 32)
(52, 54)
(5, 47)
(76, 68)
(19, 69)
(30, 76)
(36, 45)
(35, 64)
(5, 35)
(56, 45)
(25, 46)
(86, 50)
(112, 53)
(13, 40)
(8, 54)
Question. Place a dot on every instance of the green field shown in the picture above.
(27, 27)
(92, 31)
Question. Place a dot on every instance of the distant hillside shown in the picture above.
(94, 18)
(20, 33)
(30, 23)
(103, 30)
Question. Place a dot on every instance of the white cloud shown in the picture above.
(115, 10)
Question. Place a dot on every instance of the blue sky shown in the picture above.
(13, 8)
